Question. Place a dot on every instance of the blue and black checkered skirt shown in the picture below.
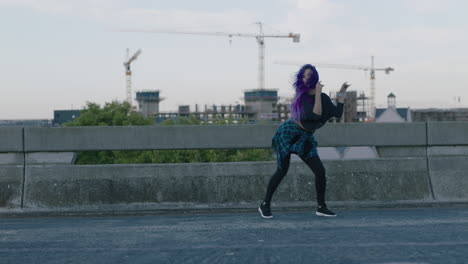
(291, 138)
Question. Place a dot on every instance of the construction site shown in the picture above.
(260, 104)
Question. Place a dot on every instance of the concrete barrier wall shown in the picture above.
(215, 136)
(447, 133)
(11, 185)
(11, 139)
(448, 160)
(372, 134)
(11, 166)
(84, 187)
(148, 137)
(449, 176)
(417, 163)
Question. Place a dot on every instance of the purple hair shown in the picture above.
(297, 109)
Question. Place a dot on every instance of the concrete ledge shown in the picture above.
(370, 134)
(450, 186)
(202, 137)
(447, 133)
(148, 137)
(360, 153)
(327, 153)
(11, 139)
(13, 158)
(447, 151)
(449, 163)
(50, 158)
(399, 152)
(74, 187)
(11, 185)
(449, 176)
(379, 180)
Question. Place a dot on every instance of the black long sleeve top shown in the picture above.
(312, 121)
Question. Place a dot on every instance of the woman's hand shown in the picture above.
(344, 86)
(341, 94)
(318, 87)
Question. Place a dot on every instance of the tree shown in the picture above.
(121, 114)
(114, 113)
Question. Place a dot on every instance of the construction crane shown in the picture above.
(370, 68)
(260, 37)
(128, 73)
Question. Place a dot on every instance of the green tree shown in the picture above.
(114, 113)
(121, 114)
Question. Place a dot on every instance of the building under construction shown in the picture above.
(355, 108)
(260, 105)
(207, 114)
(435, 114)
(27, 123)
(148, 102)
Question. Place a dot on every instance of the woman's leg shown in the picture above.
(315, 164)
(276, 179)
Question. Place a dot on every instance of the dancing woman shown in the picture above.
(310, 110)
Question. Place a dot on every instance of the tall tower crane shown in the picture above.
(260, 37)
(128, 73)
(370, 68)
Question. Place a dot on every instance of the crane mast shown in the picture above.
(372, 89)
(128, 74)
(261, 58)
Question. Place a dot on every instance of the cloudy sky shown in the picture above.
(59, 54)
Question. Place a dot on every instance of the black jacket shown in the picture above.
(312, 121)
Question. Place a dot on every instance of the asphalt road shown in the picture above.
(429, 235)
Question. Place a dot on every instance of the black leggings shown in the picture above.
(314, 163)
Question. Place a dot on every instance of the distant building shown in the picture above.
(433, 114)
(208, 114)
(184, 110)
(350, 108)
(262, 103)
(392, 114)
(362, 108)
(284, 110)
(63, 116)
(148, 102)
(27, 122)
(355, 108)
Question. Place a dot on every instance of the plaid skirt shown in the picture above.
(291, 138)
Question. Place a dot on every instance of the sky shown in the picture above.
(61, 54)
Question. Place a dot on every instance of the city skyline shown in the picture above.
(60, 54)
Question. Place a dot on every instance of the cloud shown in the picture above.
(325, 33)
(426, 6)
(178, 19)
(310, 16)
(123, 14)
(82, 8)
